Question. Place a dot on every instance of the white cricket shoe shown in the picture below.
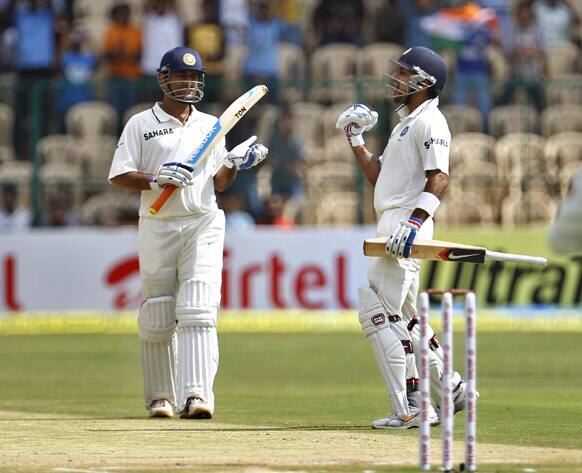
(197, 408)
(161, 408)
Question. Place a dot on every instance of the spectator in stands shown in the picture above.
(233, 205)
(36, 53)
(261, 65)
(287, 159)
(207, 37)
(566, 232)
(339, 21)
(162, 30)
(502, 12)
(290, 13)
(524, 50)
(413, 12)
(389, 22)
(472, 64)
(556, 19)
(234, 18)
(273, 213)
(122, 55)
(77, 65)
(12, 216)
(60, 212)
(8, 36)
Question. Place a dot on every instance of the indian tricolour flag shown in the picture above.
(449, 27)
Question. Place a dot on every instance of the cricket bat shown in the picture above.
(447, 251)
(226, 122)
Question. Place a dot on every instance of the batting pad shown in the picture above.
(157, 323)
(387, 348)
(197, 342)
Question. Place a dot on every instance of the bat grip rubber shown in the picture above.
(161, 200)
(496, 256)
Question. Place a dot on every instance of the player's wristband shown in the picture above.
(154, 185)
(356, 140)
(428, 202)
(415, 221)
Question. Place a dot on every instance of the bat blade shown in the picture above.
(226, 122)
(431, 250)
(437, 250)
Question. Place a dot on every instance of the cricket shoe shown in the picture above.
(161, 408)
(197, 408)
(395, 422)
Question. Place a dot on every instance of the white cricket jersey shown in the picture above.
(419, 143)
(153, 137)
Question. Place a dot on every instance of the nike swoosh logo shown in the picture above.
(454, 256)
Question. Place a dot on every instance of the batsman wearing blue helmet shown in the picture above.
(180, 247)
(409, 179)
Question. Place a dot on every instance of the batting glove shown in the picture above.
(357, 119)
(245, 156)
(399, 244)
(172, 174)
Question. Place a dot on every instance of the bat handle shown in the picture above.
(511, 258)
(161, 200)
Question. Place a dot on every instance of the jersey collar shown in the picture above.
(163, 117)
(430, 103)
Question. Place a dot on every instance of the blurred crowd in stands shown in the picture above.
(73, 71)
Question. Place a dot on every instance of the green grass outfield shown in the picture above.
(294, 396)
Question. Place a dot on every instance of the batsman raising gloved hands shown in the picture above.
(409, 178)
(181, 246)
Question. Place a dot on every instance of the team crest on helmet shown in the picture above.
(189, 59)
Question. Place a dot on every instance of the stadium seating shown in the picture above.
(91, 118)
(307, 121)
(562, 60)
(6, 153)
(134, 109)
(561, 117)
(6, 124)
(333, 72)
(565, 88)
(513, 119)
(334, 208)
(59, 149)
(95, 154)
(521, 160)
(527, 208)
(563, 154)
(463, 118)
(292, 72)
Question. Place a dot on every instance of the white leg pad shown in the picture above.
(387, 348)
(157, 324)
(197, 343)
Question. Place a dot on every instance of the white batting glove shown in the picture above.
(245, 156)
(357, 119)
(172, 174)
(399, 244)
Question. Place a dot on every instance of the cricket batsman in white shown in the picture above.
(180, 247)
(409, 180)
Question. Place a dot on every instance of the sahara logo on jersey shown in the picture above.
(156, 133)
(436, 141)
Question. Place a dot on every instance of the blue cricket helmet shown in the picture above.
(428, 61)
(182, 59)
